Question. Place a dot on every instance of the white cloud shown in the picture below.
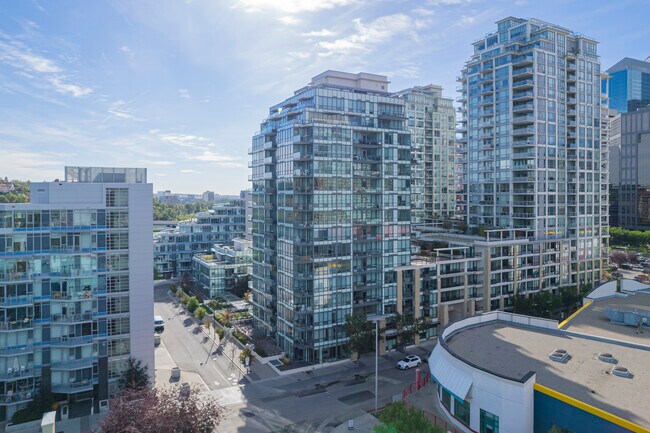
(184, 93)
(290, 6)
(186, 140)
(289, 20)
(69, 88)
(368, 35)
(128, 51)
(120, 110)
(448, 2)
(324, 33)
(299, 54)
(165, 163)
(217, 159)
(40, 70)
(189, 170)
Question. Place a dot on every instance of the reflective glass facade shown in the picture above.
(331, 211)
(629, 85)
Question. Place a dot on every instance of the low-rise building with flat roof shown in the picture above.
(506, 373)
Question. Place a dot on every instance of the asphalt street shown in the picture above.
(189, 347)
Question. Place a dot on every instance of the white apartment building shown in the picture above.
(76, 287)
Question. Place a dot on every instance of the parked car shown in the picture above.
(626, 265)
(156, 339)
(409, 361)
(158, 323)
(617, 275)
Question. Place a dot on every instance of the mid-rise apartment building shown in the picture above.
(532, 150)
(76, 290)
(219, 270)
(174, 248)
(431, 119)
(331, 211)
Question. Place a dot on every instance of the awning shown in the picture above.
(455, 381)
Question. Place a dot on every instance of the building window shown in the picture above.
(489, 422)
(462, 411)
(446, 399)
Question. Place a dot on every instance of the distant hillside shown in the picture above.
(18, 194)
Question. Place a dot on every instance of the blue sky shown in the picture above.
(180, 87)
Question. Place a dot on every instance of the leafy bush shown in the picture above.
(220, 332)
(173, 288)
(224, 319)
(398, 418)
(184, 299)
(207, 308)
(192, 304)
(243, 339)
(200, 313)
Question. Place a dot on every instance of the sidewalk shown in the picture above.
(164, 364)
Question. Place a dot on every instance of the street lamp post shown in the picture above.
(376, 319)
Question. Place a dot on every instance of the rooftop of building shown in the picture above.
(593, 319)
(630, 63)
(513, 351)
(105, 174)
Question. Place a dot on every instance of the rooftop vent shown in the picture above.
(621, 371)
(607, 357)
(559, 355)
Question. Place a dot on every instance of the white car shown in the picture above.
(409, 362)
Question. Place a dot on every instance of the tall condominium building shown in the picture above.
(629, 85)
(76, 290)
(630, 183)
(532, 151)
(431, 119)
(175, 248)
(331, 211)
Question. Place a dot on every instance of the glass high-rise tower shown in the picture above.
(331, 212)
(629, 85)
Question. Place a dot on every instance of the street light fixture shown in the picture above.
(377, 318)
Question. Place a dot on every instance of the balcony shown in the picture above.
(16, 301)
(72, 318)
(522, 72)
(530, 118)
(21, 349)
(25, 323)
(523, 84)
(73, 387)
(15, 374)
(528, 130)
(74, 364)
(11, 398)
(72, 341)
(519, 108)
(523, 95)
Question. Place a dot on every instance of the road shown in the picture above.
(189, 347)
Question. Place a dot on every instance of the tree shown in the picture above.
(397, 418)
(361, 334)
(136, 376)
(407, 328)
(192, 304)
(162, 410)
(200, 313)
